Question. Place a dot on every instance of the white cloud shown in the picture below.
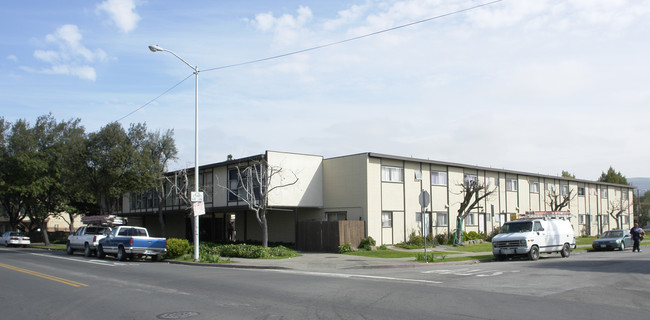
(121, 12)
(70, 57)
(286, 28)
(12, 57)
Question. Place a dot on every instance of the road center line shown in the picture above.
(44, 276)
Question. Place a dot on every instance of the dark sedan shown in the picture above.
(613, 239)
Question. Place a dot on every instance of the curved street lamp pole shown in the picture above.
(155, 48)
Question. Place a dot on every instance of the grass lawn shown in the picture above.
(387, 254)
(482, 247)
(51, 246)
(584, 240)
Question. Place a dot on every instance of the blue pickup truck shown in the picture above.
(127, 242)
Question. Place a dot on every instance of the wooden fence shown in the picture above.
(327, 236)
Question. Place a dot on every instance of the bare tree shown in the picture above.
(255, 182)
(616, 209)
(558, 201)
(178, 187)
(473, 193)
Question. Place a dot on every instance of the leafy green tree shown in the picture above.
(613, 176)
(161, 149)
(567, 174)
(116, 163)
(10, 178)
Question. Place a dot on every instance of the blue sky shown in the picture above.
(536, 86)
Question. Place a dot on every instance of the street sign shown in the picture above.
(196, 196)
(425, 199)
(198, 208)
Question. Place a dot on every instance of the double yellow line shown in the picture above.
(45, 276)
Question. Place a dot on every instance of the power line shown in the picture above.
(315, 48)
(352, 39)
(154, 99)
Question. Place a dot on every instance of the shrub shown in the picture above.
(366, 243)
(430, 257)
(442, 238)
(177, 248)
(345, 248)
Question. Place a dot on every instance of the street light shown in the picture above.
(155, 48)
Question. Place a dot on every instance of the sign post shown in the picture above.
(425, 199)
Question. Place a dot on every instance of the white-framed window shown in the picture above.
(438, 178)
(470, 178)
(470, 220)
(386, 219)
(605, 219)
(581, 219)
(625, 195)
(392, 174)
(581, 191)
(441, 219)
(511, 184)
(603, 193)
(534, 186)
(564, 189)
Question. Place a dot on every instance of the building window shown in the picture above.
(627, 219)
(470, 220)
(534, 186)
(565, 190)
(581, 219)
(243, 184)
(603, 193)
(581, 191)
(336, 216)
(438, 178)
(386, 219)
(441, 219)
(625, 195)
(470, 178)
(511, 184)
(392, 174)
(605, 219)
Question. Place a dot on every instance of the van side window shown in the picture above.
(538, 226)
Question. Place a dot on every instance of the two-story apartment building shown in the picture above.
(382, 190)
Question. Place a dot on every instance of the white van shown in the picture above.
(534, 236)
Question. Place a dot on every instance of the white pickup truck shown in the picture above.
(86, 239)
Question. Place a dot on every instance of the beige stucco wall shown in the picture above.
(308, 189)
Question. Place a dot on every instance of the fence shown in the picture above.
(327, 236)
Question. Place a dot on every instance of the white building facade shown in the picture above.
(382, 190)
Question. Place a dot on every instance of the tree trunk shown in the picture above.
(46, 238)
(265, 231)
(459, 230)
(161, 217)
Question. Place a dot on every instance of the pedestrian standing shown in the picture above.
(637, 235)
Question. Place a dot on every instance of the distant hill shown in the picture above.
(643, 184)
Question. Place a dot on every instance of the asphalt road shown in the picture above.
(39, 284)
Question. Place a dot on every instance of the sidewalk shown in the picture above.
(310, 261)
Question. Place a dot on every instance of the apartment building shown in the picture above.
(381, 190)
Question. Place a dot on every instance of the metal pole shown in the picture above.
(196, 159)
(155, 48)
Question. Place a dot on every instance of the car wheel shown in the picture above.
(100, 252)
(622, 247)
(87, 251)
(155, 258)
(499, 257)
(533, 254)
(68, 248)
(121, 254)
(566, 251)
